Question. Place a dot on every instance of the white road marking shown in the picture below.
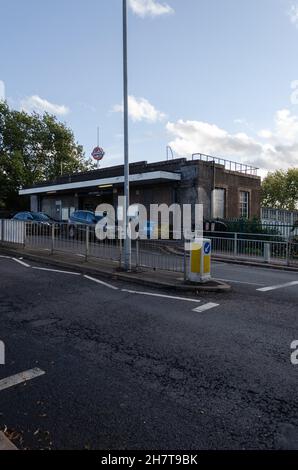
(185, 299)
(56, 271)
(21, 262)
(20, 378)
(5, 443)
(241, 282)
(101, 282)
(6, 257)
(205, 307)
(280, 286)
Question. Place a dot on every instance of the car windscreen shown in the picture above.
(97, 218)
(41, 217)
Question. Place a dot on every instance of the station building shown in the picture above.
(226, 189)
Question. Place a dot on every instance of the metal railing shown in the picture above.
(255, 247)
(12, 231)
(227, 164)
(281, 216)
(168, 255)
(78, 239)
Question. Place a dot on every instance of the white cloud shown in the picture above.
(140, 109)
(270, 150)
(2, 91)
(293, 13)
(40, 105)
(150, 8)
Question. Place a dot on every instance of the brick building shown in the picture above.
(226, 189)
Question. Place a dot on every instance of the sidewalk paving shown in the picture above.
(110, 270)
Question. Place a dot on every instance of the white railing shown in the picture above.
(168, 255)
(255, 247)
(279, 215)
(282, 221)
(12, 231)
(72, 239)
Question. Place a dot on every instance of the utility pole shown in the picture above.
(127, 240)
(97, 145)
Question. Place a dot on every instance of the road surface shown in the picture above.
(118, 366)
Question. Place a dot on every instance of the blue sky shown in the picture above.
(211, 76)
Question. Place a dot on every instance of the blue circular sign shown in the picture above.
(207, 248)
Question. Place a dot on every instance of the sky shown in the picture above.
(205, 76)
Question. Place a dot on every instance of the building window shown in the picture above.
(244, 204)
(218, 203)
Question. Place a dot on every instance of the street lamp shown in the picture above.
(127, 240)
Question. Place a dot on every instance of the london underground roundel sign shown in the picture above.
(98, 153)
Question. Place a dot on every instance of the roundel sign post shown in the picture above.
(98, 154)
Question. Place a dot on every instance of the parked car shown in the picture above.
(79, 220)
(214, 225)
(39, 220)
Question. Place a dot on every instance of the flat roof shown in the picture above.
(138, 177)
(163, 171)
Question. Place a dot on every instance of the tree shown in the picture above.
(280, 190)
(34, 148)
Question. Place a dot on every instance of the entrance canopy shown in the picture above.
(150, 177)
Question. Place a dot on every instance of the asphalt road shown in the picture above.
(131, 370)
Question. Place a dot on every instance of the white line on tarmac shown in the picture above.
(56, 271)
(205, 307)
(280, 286)
(5, 443)
(20, 378)
(21, 262)
(241, 282)
(185, 299)
(6, 257)
(101, 282)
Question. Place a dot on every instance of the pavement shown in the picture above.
(98, 363)
(110, 269)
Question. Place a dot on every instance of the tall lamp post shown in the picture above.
(127, 240)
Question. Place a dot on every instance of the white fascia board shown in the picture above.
(154, 175)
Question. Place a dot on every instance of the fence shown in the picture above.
(227, 164)
(282, 221)
(169, 255)
(12, 231)
(279, 215)
(65, 238)
(255, 247)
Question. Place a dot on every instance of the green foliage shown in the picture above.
(33, 149)
(249, 226)
(280, 190)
